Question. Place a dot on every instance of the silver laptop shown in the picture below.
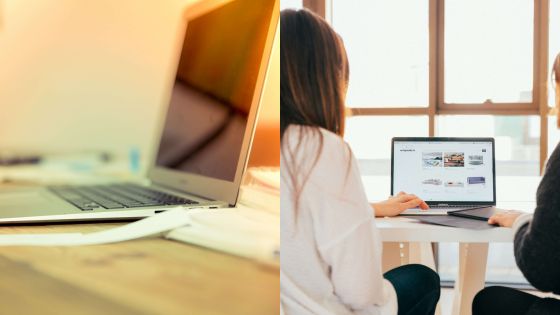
(206, 129)
(448, 173)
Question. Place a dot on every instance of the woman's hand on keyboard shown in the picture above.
(397, 204)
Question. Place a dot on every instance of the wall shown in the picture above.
(80, 75)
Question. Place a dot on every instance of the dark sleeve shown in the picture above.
(537, 244)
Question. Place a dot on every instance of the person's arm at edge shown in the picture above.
(536, 241)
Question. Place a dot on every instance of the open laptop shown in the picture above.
(206, 129)
(448, 173)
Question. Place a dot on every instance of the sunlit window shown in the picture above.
(387, 45)
(290, 4)
(517, 139)
(488, 51)
(370, 138)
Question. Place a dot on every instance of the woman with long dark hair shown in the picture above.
(331, 249)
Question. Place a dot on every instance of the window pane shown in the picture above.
(290, 4)
(554, 42)
(387, 47)
(488, 51)
(370, 139)
(517, 139)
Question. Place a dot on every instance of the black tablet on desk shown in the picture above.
(473, 218)
(482, 214)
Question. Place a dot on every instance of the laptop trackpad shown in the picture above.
(22, 203)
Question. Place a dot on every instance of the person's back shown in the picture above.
(329, 226)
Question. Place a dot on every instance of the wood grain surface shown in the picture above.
(147, 276)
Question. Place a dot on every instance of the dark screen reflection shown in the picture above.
(214, 89)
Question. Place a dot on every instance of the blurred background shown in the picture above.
(93, 76)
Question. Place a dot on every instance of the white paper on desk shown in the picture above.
(240, 231)
(150, 226)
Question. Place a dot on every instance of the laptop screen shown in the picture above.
(214, 89)
(442, 170)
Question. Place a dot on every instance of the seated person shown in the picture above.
(536, 244)
(331, 248)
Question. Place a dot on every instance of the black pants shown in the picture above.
(502, 300)
(417, 287)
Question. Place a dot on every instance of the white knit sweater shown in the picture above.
(330, 246)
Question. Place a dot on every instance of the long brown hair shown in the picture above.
(314, 73)
(313, 82)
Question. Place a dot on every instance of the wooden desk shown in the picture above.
(148, 276)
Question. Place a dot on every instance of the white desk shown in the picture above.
(408, 241)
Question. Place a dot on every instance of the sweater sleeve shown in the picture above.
(350, 244)
(537, 243)
(356, 271)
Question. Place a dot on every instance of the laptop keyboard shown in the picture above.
(116, 196)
